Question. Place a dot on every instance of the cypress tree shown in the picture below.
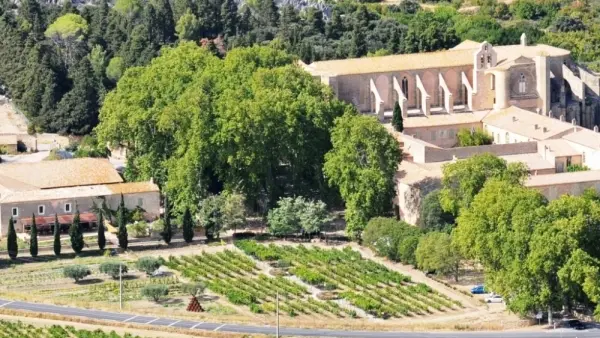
(12, 245)
(57, 246)
(76, 234)
(358, 46)
(167, 232)
(229, 18)
(122, 223)
(101, 236)
(188, 226)
(397, 120)
(33, 240)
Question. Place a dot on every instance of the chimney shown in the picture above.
(545, 129)
(596, 129)
(562, 118)
(514, 118)
(523, 40)
(536, 127)
(574, 122)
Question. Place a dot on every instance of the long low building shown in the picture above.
(47, 189)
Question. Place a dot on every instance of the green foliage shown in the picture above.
(431, 216)
(148, 264)
(76, 272)
(393, 239)
(113, 268)
(577, 167)
(435, 252)
(193, 289)
(471, 138)
(463, 179)
(11, 238)
(33, 238)
(57, 229)
(397, 119)
(68, 26)
(155, 292)
(293, 215)
(19, 329)
(188, 226)
(115, 68)
(138, 229)
(75, 233)
(101, 232)
(89, 147)
(210, 216)
(233, 211)
(187, 27)
(167, 232)
(122, 225)
(362, 164)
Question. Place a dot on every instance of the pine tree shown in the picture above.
(75, 233)
(33, 238)
(229, 18)
(245, 24)
(335, 27)
(268, 13)
(397, 119)
(12, 245)
(315, 20)
(167, 232)
(166, 24)
(188, 226)
(101, 235)
(358, 46)
(122, 225)
(57, 245)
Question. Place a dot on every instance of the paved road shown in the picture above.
(187, 324)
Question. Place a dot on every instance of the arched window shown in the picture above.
(489, 60)
(522, 84)
(481, 60)
(485, 48)
(405, 87)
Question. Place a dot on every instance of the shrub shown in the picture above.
(240, 297)
(577, 167)
(475, 137)
(255, 308)
(308, 276)
(193, 289)
(112, 268)
(148, 264)
(76, 272)
(138, 229)
(155, 291)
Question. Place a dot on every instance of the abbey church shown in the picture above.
(471, 77)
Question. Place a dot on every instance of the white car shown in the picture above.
(494, 299)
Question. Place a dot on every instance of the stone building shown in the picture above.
(469, 78)
(45, 189)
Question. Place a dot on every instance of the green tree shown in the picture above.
(577, 167)
(293, 215)
(167, 233)
(101, 234)
(155, 292)
(114, 269)
(122, 225)
(229, 18)
(188, 226)
(33, 238)
(428, 31)
(397, 119)
(115, 69)
(362, 164)
(210, 216)
(188, 27)
(463, 179)
(76, 272)
(67, 32)
(75, 233)
(473, 137)
(148, 264)
(11, 240)
(431, 215)
(435, 252)
(57, 244)
(358, 45)
(234, 211)
(165, 28)
(391, 238)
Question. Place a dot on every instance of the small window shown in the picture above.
(481, 61)
(67, 207)
(140, 202)
(15, 212)
(41, 209)
(522, 84)
(433, 135)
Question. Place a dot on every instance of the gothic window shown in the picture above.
(405, 86)
(489, 60)
(522, 84)
(481, 60)
(485, 48)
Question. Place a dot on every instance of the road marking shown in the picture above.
(193, 327)
(173, 323)
(152, 321)
(128, 319)
(5, 304)
(217, 329)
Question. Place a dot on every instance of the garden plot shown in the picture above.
(20, 330)
(344, 274)
(238, 279)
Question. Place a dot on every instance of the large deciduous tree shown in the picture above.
(362, 164)
(435, 252)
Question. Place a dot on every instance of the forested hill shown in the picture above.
(58, 62)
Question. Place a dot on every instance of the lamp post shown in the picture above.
(277, 302)
(120, 286)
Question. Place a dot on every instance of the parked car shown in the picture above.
(575, 324)
(478, 290)
(494, 299)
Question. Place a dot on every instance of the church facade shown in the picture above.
(470, 77)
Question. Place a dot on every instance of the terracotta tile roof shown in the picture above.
(62, 173)
(461, 55)
(90, 191)
(527, 124)
(584, 137)
(563, 178)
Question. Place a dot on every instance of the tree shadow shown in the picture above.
(89, 281)
(170, 301)
(207, 298)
